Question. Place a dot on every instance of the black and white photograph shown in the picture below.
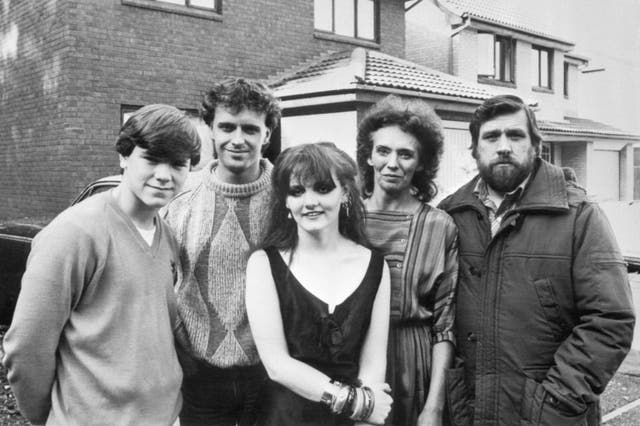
(319, 212)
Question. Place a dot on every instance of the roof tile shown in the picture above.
(334, 71)
(514, 14)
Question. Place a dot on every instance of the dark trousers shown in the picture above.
(221, 396)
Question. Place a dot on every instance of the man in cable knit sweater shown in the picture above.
(218, 221)
(91, 342)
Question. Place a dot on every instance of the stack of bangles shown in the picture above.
(354, 402)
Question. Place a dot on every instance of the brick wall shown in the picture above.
(428, 40)
(78, 61)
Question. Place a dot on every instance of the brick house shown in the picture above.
(502, 45)
(70, 70)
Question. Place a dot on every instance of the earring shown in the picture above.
(289, 215)
(346, 205)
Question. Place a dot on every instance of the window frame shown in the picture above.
(214, 14)
(331, 34)
(636, 173)
(187, 3)
(546, 151)
(127, 109)
(537, 80)
(506, 46)
(565, 77)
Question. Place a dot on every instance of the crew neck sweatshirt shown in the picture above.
(217, 225)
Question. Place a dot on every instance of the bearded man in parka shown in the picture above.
(544, 311)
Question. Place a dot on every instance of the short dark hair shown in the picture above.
(503, 105)
(237, 94)
(164, 131)
(414, 117)
(313, 162)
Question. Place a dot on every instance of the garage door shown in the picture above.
(604, 182)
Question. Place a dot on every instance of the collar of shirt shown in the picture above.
(496, 213)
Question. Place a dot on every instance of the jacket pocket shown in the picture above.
(532, 398)
(457, 397)
(551, 415)
(540, 408)
(548, 302)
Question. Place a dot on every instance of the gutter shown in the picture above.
(411, 6)
(465, 24)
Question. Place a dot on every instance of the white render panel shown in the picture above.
(457, 166)
(605, 184)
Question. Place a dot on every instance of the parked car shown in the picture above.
(15, 245)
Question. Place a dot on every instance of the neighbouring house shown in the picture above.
(325, 98)
(72, 70)
(504, 46)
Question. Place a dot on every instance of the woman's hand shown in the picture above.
(382, 404)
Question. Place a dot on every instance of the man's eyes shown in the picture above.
(491, 136)
(250, 130)
(228, 128)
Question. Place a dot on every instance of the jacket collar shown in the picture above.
(546, 192)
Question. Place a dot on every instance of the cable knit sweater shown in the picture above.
(217, 226)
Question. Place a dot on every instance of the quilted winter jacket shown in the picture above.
(544, 311)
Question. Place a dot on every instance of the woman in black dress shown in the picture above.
(317, 299)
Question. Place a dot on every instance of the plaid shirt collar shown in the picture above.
(510, 200)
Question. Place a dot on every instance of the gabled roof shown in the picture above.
(583, 126)
(511, 14)
(363, 68)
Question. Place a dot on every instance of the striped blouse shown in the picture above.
(421, 250)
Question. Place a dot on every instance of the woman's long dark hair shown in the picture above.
(310, 163)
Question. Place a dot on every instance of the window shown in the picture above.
(205, 9)
(496, 57)
(127, 110)
(201, 4)
(565, 88)
(541, 66)
(636, 173)
(350, 18)
(546, 152)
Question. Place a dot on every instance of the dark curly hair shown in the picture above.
(414, 117)
(237, 94)
(502, 105)
(309, 163)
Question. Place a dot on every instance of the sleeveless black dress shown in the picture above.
(329, 342)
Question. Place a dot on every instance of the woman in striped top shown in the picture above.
(399, 148)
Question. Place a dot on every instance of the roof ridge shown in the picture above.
(491, 13)
(283, 76)
(432, 71)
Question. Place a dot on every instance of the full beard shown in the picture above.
(504, 179)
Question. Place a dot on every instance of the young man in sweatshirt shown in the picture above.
(92, 336)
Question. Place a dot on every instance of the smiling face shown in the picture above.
(505, 155)
(238, 141)
(148, 182)
(395, 158)
(315, 206)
